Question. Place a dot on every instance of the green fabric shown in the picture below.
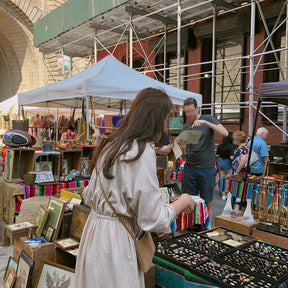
(175, 123)
(170, 275)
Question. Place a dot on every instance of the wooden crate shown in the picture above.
(18, 162)
(37, 254)
(64, 258)
(54, 157)
(22, 233)
(73, 158)
(240, 227)
(270, 238)
(277, 169)
(4, 240)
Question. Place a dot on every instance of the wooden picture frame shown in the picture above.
(67, 243)
(80, 215)
(24, 271)
(40, 220)
(45, 279)
(9, 279)
(56, 210)
(49, 234)
(12, 263)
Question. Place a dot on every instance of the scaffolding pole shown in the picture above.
(165, 53)
(286, 77)
(178, 42)
(131, 43)
(251, 84)
(213, 59)
(95, 48)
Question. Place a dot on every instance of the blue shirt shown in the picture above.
(259, 147)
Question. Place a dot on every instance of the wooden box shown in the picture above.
(4, 240)
(64, 258)
(270, 238)
(277, 169)
(221, 221)
(52, 157)
(22, 233)
(18, 162)
(37, 254)
(73, 160)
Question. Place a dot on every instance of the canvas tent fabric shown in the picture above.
(109, 82)
(275, 92)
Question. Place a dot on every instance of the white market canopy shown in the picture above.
(109, 82)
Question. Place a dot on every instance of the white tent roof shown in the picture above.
(108, 81)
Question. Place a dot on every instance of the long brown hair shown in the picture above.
(143, 123)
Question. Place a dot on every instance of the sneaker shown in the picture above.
(224, 198)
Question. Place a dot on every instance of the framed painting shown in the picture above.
(55, 275)
(80, 214)
(67, 243)
(49, 234)
(9, 279)
(56, 210)
(24, 271)
(41, 219)
(12, 263)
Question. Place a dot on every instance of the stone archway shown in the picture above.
(20, 62)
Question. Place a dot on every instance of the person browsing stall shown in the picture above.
(260, 148)
(199, 169)
(241, 154)
(225, 153)
(125, 175)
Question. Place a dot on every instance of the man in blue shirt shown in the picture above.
(260, 147)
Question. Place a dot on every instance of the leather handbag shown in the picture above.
(144, 246)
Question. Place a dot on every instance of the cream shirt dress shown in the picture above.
(107, 257)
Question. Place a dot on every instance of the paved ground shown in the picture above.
(29, 211)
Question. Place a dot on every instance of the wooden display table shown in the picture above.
(270, 238)
(240, 227)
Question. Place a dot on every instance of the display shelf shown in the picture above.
(71, 159)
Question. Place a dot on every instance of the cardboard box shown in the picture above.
(18, 162)
(240, 227)
(68, 193)
(37, 254)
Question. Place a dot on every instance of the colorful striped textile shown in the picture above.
(177, 175)
(200, 216)
(45, 190)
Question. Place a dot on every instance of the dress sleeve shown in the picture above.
(145, 201)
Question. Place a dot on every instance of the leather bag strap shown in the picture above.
(114, 210)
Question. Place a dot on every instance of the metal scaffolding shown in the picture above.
(135, 22)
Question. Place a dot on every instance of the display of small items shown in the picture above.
(273, 270)
(179, 254)
(228, 237)
(226, 276)
(202, 244)
(72, 174)
(268, 251)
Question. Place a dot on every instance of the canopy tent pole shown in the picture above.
(286, 77)
(57, 128)
(251, 84)
(87, 118)
(178, 43)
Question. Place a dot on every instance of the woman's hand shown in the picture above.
(184, 202)
(165, 234)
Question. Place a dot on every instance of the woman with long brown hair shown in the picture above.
(125, 165)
